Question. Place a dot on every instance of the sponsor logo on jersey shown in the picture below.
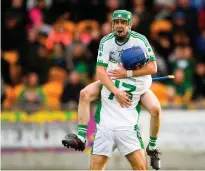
(115, 57)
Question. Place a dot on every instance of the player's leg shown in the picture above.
(130, 144)
(98, 162)
(137, 159)
(89, 94)
(152, 105)
(102, 148)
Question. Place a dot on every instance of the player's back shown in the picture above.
(110, 113)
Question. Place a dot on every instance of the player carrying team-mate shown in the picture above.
(121, 89)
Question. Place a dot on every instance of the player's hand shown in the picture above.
(123, 98)
(118, 73)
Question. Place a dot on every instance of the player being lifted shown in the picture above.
(121, 115)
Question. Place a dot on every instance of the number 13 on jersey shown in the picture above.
(129, 88)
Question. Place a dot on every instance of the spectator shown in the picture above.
(93, 45)
(13, 36)
(15, 75)
(142, 17)
(33, 60)
(163, 45)
(93, 52)
(160, 26)
(76, 42)
(164, 9)
(71, 44)
(112, 5)
(179, 21)
(54, 86)
(58, 35)
(179, 90)
(31, 97)
(200, 45)
(184, 61)
(37, 55)
(18, 9)
(190, 14)
(71, 91)
(180, 38)
(177, 53)
(12, 80)
(199, 82)
(37, 17)
(58, 55)
(162, 68)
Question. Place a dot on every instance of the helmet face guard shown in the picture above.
(121, 14)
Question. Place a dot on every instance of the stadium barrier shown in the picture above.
(36, 137)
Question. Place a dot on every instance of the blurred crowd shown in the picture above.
(49, 48)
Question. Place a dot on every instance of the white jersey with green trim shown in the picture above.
(109, 112)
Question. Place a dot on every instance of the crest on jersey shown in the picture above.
(115, 57)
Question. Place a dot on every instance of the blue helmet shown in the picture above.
(133, 57)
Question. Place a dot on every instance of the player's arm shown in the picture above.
(151, 67)
(102, 63)
(148, 69)
(121, 96)
(105, 79)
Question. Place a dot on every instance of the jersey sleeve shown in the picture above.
(145, 46)
(103, 53)
(149, 50)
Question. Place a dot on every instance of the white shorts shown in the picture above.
(107, 140)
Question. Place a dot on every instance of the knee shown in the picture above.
(85, 95)
(155, 110)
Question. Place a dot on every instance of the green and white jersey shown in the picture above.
(109, 112)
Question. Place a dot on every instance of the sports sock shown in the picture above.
(152, 143)
(82, 131)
